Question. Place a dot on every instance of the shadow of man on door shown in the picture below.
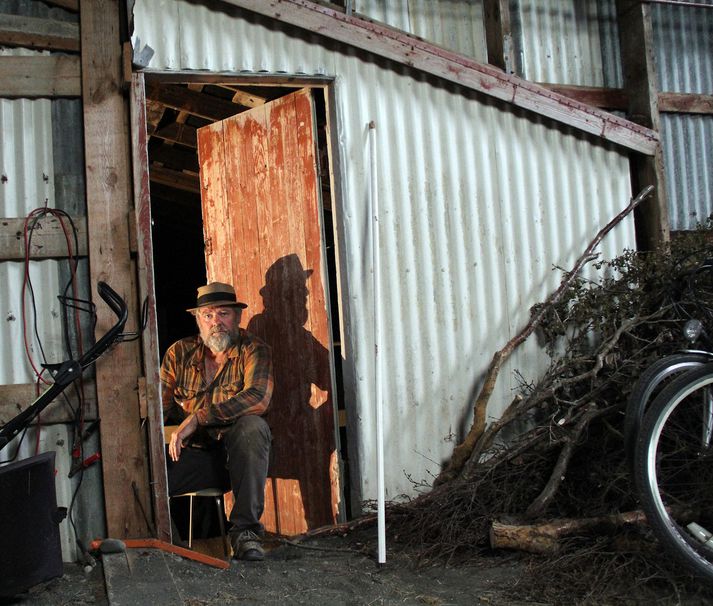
(301, 491)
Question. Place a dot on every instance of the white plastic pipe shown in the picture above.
(380, 492)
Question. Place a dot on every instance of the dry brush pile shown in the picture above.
(551, 477)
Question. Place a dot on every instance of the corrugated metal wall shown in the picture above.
(567, 41)
(683, 40)
(457, 26)
(41, 164)
(478, 202)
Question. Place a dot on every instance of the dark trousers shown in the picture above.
(239, 462)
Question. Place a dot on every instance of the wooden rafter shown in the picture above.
(393, 44)
(193, 102)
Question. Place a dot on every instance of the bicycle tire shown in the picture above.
(674, 469)
(649, 384)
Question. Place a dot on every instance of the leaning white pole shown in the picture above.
(380, 493)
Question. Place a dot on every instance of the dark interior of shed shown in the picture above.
(175, 110)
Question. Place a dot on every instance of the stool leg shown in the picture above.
(221, 522)
(190, 522)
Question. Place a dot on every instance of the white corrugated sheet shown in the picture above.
(567, 41)
(457, 26)
(687, 141)
(26, 183)
(683, 41)
(478, 203)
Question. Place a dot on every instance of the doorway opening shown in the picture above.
(177, 106)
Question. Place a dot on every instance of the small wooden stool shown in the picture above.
(215, 493)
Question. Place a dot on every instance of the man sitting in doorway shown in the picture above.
(218, 385)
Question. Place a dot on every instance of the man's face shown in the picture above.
(218, 326)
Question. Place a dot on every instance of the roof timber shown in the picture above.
(399, 46)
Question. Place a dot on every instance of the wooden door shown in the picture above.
(261, 223)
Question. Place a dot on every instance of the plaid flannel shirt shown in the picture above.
(242, 386)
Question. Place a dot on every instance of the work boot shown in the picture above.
(247, 546)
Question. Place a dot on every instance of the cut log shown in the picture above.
(544, 538)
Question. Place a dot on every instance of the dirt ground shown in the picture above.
(329, 570)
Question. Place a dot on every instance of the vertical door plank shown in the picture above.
(271, 191)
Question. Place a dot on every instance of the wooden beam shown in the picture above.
(604, 98)
(498, 34)
(16, 398)
(149, 336)
(176, 158)
(178, 133)
(41, 34)
(193, 102)
(175, 179)
(109, 202)
(70, 5)
(685, 103)
(641, 88)
(419, 54)
(40, 76)
(48, 239)
(246, 99)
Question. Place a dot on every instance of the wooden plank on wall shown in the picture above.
(16, 398)
(40, 76)
(686, 103)
(41, 34)
(48, 239)
(109, 201)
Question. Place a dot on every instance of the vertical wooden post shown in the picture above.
(154, 412)
(498, 34)
(641, 87)
(108, 179)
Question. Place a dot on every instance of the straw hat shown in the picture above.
(216, 294)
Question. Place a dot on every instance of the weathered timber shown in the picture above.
(175, 179)
(419, 54)
(641, 87)
(16, 398)
(152, 409)
(109, 202)
(47, 240)
(605, 98)
(181, 98)
(685, 103)
(498, 34)
(40, 76)
(40, 34)
(544, 538)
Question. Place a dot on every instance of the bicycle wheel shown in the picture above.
(649, 385)
(674, 468)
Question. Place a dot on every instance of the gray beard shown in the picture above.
(219, 342)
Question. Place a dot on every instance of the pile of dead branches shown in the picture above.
(550, 477)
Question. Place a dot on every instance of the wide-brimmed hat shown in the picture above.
(216, 294)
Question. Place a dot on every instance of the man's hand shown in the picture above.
(185, 430)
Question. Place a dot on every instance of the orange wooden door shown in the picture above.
(261, 223)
